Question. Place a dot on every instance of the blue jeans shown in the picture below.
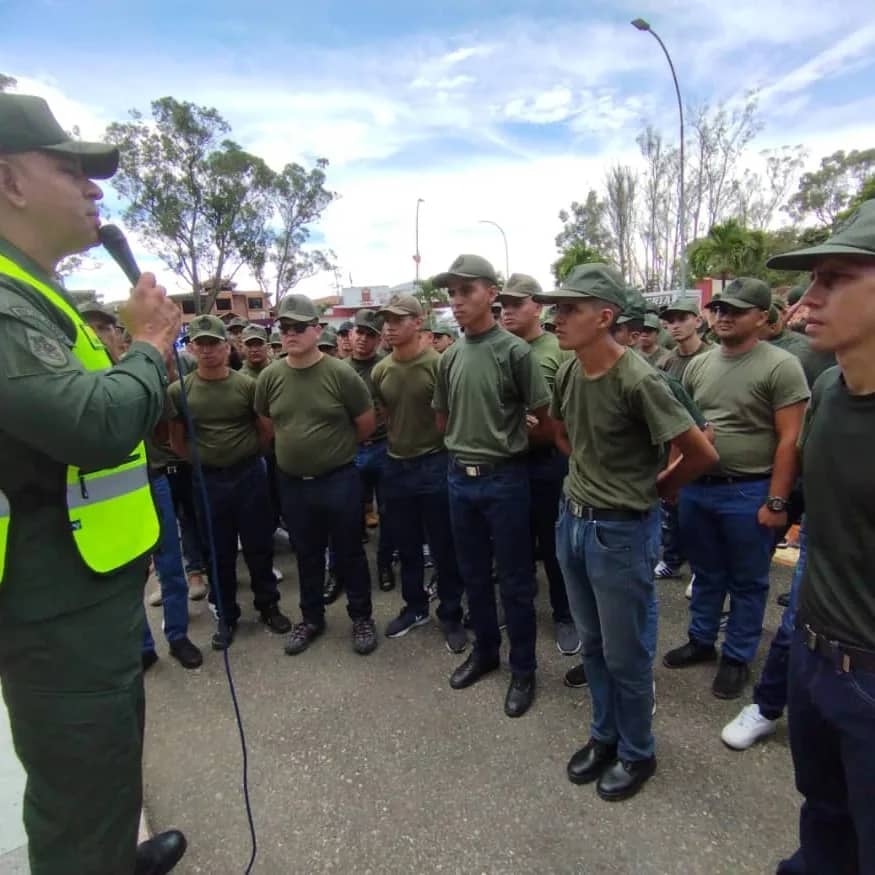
(490, 518)
(832, 724)
(317, 511)
(547, 470)
(730, 552)
(168, 566)
(608, 568)
(418, 507)
(770, 693)
(371, 462)
(239, 507)
(672, 554)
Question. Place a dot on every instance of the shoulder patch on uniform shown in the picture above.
(46, 349)
(36, 320)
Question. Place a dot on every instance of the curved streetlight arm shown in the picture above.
(503, 237)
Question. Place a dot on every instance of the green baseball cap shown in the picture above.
(682, 305)
(402, 305)
(594, 280)
(794, 296)
(237, 322)
(745, 293)
(27, 125)
(298, 308)
(276, 339)
(254, 332)
(207, 326)
(327, 338)
(520, 285)
(370, 320)
(448, 330)
(95, 308)
(635, 308)
(855, 236)
(651, 322)
(548, 316)
(346, 327)
(467, 267)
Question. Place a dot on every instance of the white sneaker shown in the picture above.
(277, 575)
(741, 733)
(688, 592)
(665, 572)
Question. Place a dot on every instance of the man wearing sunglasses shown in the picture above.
(320, 409)
(754, 396)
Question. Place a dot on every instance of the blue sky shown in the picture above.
(499, 110)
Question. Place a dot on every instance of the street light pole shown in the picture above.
(641, 24)
(503, 237)
(416, 257)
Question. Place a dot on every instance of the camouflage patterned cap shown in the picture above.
(635, 308)
(298, 308)
(855, 237)
(327, 339)
(276, 339)
(207, 326)
(237, 322)
(402, 305)
(520, 285)
(651, 322)
(95, 308)
(745, 293)
(448, 330)
(254, 332)
(594, 280)
(466, 267)
(370, 320)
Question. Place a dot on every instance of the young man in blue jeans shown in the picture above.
(615, 418)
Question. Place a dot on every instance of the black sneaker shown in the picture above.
(186, 653)
(149, 659)
(223, 637)
(276, 620)
(691, 653)
(455, 636)
(364, 636)
(387, 579)
(576, 677)
(730, 679)
(303, 635)
(332, 588)
(405, 621)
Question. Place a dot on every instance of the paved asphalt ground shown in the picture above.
(374, 765)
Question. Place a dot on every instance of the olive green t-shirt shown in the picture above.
(675, 363)
(405, 390)
(223, 416)
(739, 395)
(252, 373)
(813, 363)
(312, 411)
(656, 358)
(485, 385)
(364, 368)
(549, 356)
(837, 597)
(618, 425)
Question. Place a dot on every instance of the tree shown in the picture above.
(826, 192)
(7, 82)
(429, 296)
(572, 256)
(759, 196)
(659, 225)
(729, 250)
(622, 186)
(586, 224)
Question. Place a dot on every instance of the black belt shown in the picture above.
(229, 470)
(728, 479)
(844, 657)
(605, 514)
(482, 469)
(309, 477)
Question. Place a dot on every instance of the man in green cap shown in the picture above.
(328, 343)
(488, 382)
(371, 455)
(105, 325)
(256, 352)
(754, 395)
(344, 339)
(443, 337)
(77, 519)
(230, 439)
(276, 345)
(813, 363)
(521, 315)
(616, 418)
(832, 659)
(648, 342)
(415, 475)
(320, 409)
(426, 332)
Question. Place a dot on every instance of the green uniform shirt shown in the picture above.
(252, 373)
(813, 363)
(405, 390)
(739, 395)
(223, 416)
(485, 385)
(549, 356)
(618, 425)
(837, 597)
(312, 411)
(674, 364)
(56, 413)
(364, 367)
(656, 358)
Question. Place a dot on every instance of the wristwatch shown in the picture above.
(776, 504)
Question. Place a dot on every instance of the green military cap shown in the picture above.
(794, 296)
(448, 330)
(548, 316)
(635, 308)
(402, 305)
(237, 322)
(254, 332)
(27, 125)
(855, 237)
(521, 285)
(207, 326)
(585, 281)
(298, 308)
(328, 339)
(345, 327)
(467, 267)
(370, 320)
(92, 308)
(745, 293)
(651, 321)
(276, 339)
(682, 305)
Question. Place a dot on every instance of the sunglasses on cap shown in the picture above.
(722, 309)
(296, 327)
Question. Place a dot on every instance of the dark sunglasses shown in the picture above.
(296, 327)
(721, 309)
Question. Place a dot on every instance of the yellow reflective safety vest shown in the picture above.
(111, 511)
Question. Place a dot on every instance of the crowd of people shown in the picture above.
(573, 427)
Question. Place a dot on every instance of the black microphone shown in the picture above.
(114, 242)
